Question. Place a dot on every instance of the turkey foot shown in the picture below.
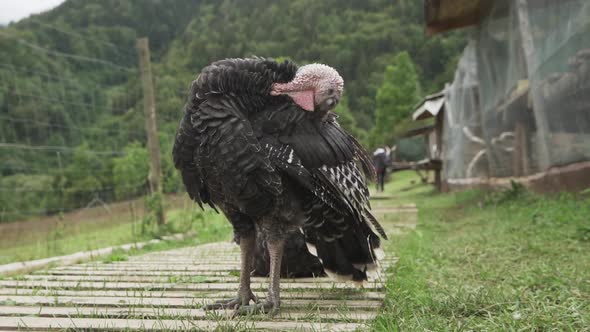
(245, 295)
(272, 303)
(242, 300)
(266, 307)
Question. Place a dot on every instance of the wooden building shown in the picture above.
(431, 107)
(531, 121)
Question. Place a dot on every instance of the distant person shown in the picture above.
(389, 155)
(380, 160)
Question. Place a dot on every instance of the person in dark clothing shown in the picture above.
(380, 160)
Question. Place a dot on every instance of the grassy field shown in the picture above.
(46, 237)
(505, 261)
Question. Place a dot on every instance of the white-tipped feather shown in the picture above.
(345, 278)
(379, 253)
(312, 249)
(338, 277)
(372, 270)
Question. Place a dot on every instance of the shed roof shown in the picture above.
(429, 107)
(444, 15)
(418, 131)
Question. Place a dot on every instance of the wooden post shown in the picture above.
(518, 154)
(528, 46)
(438, 179)
(439, 147)
(149, 106)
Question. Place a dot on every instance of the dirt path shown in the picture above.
(165, 290)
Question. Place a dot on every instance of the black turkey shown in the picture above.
(259, 141)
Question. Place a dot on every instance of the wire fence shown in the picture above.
(62, 130)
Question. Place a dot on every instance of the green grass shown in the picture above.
(509, 261)
(207, 225)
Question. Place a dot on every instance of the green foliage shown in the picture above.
(396, 98)
(88, 107)
(209, 225)
(514, 192)
(31, 195)
(172, 180)
(411, 149)
(348, 122)
(131, 171)
(154, 207)
(117, 255)
(85, 175)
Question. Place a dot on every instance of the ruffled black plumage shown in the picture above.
(260, 157)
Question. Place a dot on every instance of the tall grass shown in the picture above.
(504, 261)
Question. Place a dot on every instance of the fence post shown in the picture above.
(149, 106)
(528, 47)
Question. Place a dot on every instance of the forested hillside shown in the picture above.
(71, 119)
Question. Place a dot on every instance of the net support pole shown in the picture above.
(149, 106)
(528, 46)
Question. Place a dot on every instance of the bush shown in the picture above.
(131, 171)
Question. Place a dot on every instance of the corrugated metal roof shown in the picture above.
(429, 107)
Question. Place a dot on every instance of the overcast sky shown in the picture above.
(14, 10)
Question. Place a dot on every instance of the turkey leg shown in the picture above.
(247, 248)
(275, 251)
(273, 301)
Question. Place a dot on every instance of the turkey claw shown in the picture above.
(257, 308)
(234, 303)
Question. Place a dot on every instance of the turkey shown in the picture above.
(259, 141)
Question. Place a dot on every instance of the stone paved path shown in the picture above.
(165, 290)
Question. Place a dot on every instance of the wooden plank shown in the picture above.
(21, 267)
(173, 286)
(151, 272)
(350, 294)
(173, 265)
(194, 268)
(42, 323)
(197, 269)
(135, 273)
(177, 313)
(207, 265)
(139, 291)
(164, 279)
(130, 301)
(208, 260)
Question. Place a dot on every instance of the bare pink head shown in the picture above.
(314, 86)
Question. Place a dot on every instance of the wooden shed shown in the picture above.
(532, 60)
(433, 106)
(444, 15)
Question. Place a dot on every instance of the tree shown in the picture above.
(93, 106)
(130, 171)
(395, 99)
(348, 122)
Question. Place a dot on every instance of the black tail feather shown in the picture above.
(349, 255)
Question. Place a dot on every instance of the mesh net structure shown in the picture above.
(560, 79)
(519, 104)
(462, 132)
